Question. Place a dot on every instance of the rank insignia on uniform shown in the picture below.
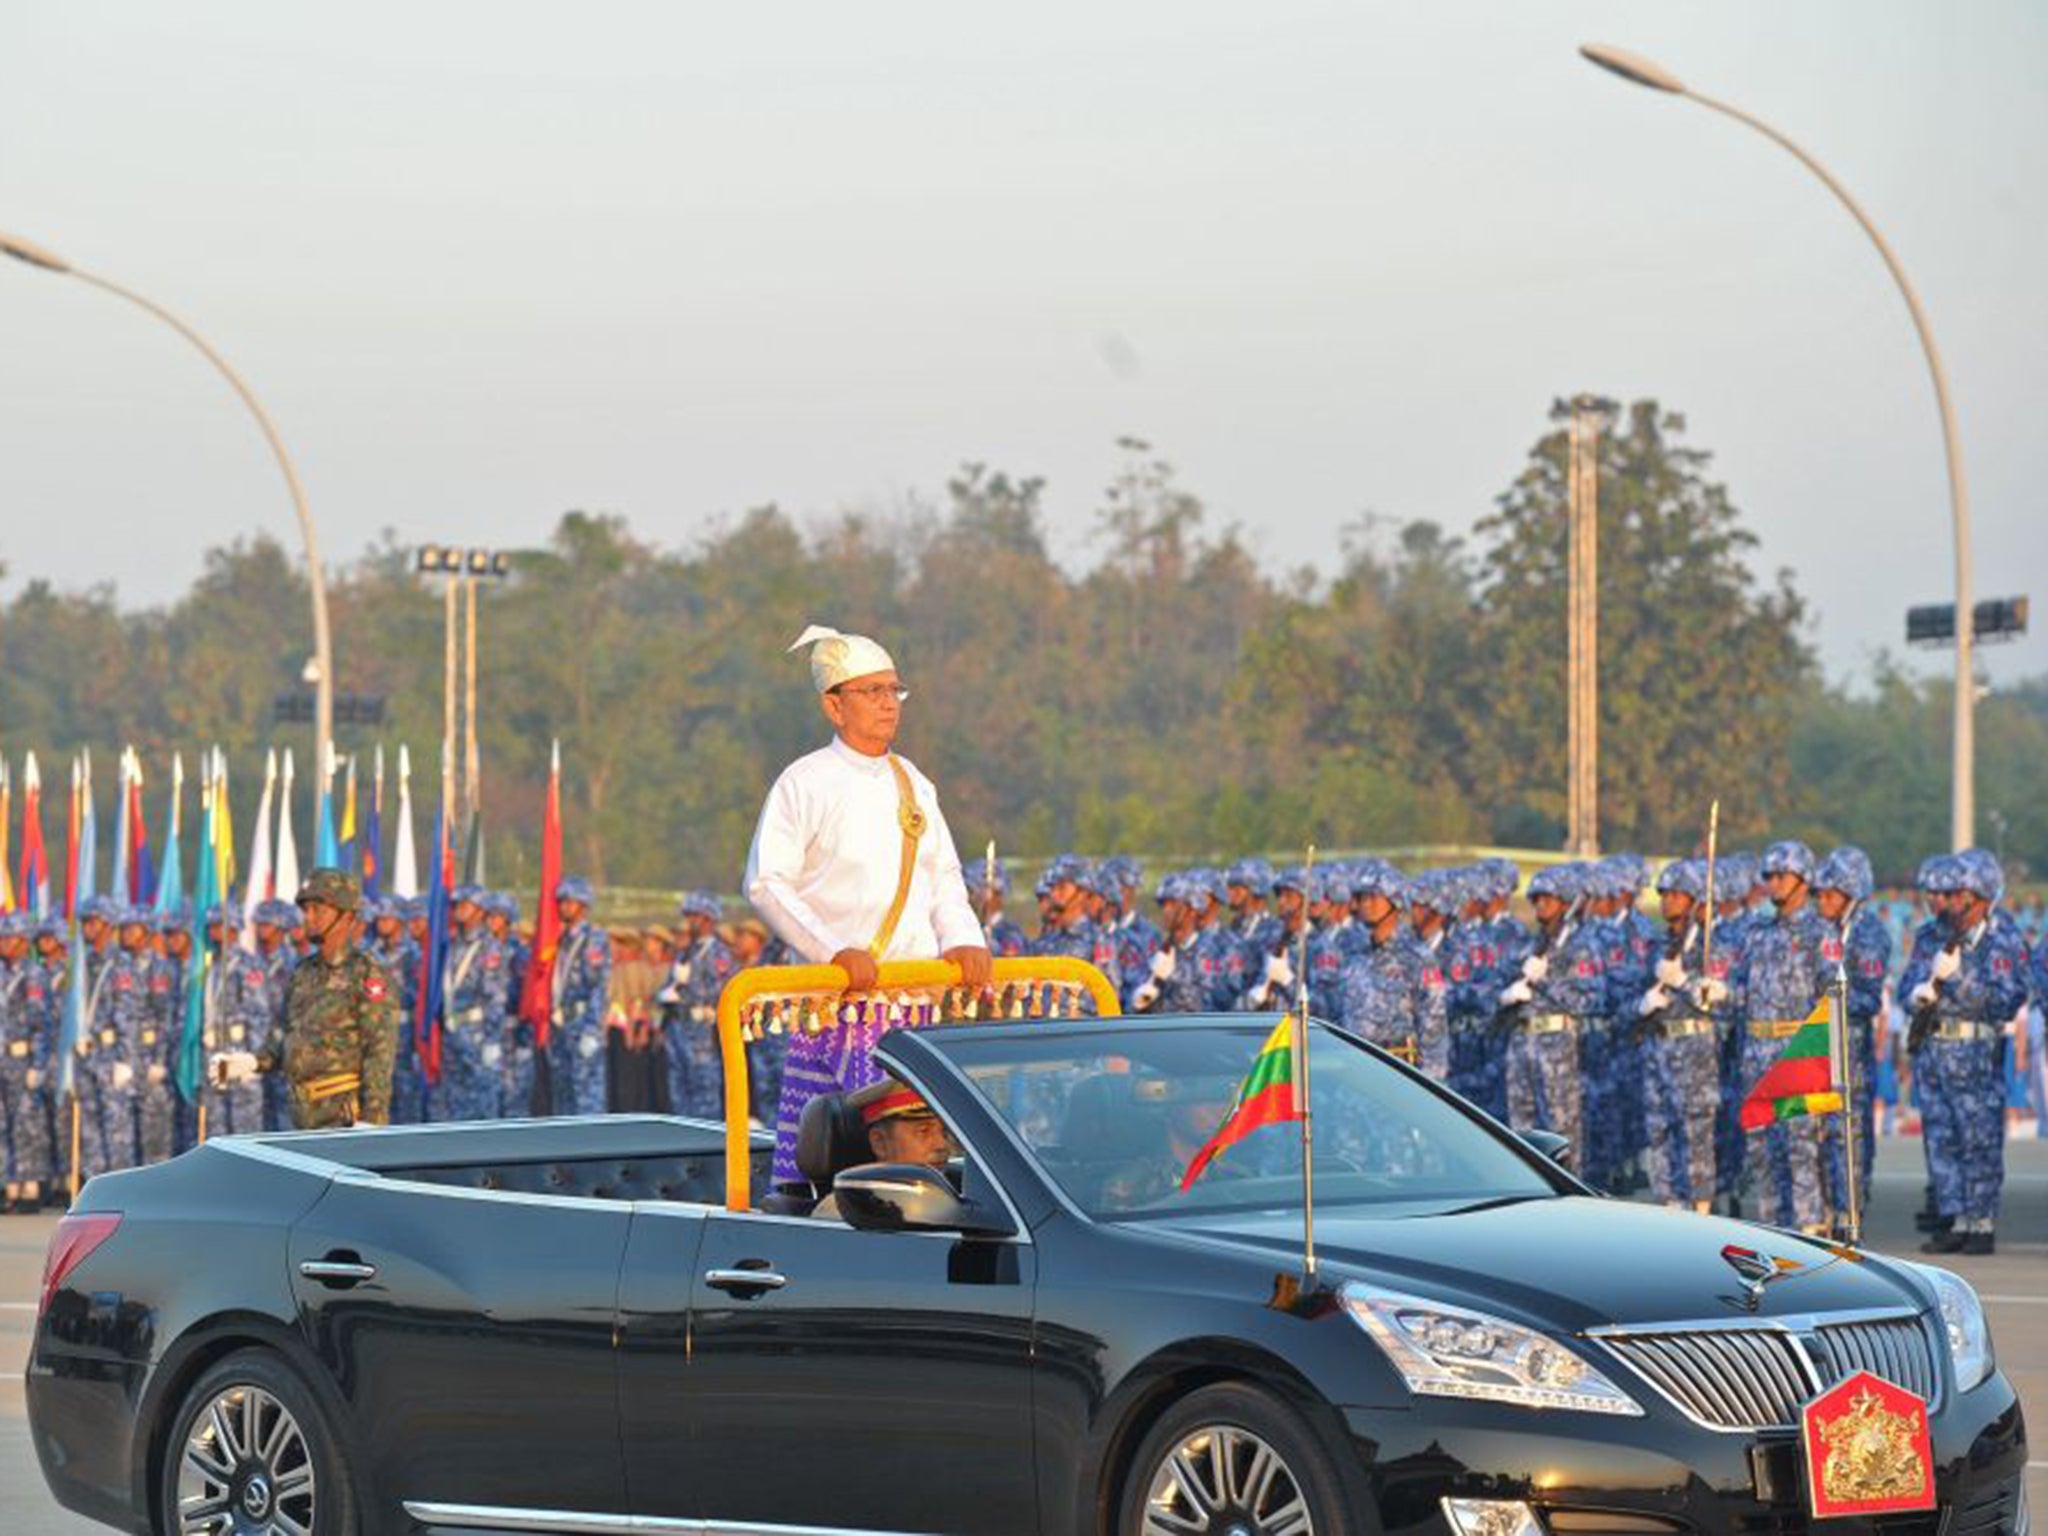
(373, 987)
(1866, 1449)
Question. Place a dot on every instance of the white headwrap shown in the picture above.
(837, 658)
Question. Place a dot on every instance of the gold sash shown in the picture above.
(909, 817)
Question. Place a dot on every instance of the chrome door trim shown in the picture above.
(565, 1522)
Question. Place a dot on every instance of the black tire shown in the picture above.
(294, 1474)
(1238, 1422)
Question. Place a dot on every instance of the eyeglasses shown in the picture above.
(876, 692)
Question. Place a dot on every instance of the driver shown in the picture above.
(901, 1128)
(1194, 1108)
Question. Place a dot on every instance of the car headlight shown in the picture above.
(1444, 1351)
(1962, 1324)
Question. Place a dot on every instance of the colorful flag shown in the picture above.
(1801, 1081)
(285, 883)
(223, 827)
(83, 881)
(261, 873)
(170, 886)
(206, 892)
(73, 1026)
(373, 832)
(427, 1022)
(346, 838)
(141, 868)
(34, 886)
(72, 829)
(326, 848)
(405, 861)
(7, 901)
(537, 997)
(1269, 1095)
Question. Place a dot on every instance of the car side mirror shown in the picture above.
(908, 1197)
(1552, 1144)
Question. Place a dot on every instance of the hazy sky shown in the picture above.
(486, 262)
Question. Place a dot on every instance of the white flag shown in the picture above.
(260, 871)
(405, 863)
(287, 881)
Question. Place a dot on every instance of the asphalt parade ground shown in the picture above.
(2013, 1283)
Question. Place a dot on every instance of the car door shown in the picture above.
(866, 1380)
(471, 1334)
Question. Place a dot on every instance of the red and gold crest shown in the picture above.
(1867, 1449)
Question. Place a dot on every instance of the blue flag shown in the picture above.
(206, 893)
(434, 953)
(73, 1027)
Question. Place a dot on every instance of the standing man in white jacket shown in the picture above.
(852, 864)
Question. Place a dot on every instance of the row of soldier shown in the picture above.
(1637, 1044)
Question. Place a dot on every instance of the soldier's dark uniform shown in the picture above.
(339, 1033)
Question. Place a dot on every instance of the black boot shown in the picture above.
(1977, 1244)
(1950, 1241)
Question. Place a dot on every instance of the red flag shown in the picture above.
(34, 885)
(537, 999)
(73, 832)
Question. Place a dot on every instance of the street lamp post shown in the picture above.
(323, 645)
(1962, 804)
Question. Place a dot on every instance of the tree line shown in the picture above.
(1170, 696)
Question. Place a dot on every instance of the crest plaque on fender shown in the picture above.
(1866, 1449)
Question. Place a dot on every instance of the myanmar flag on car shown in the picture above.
(1801, 1081)
(1269, 1095)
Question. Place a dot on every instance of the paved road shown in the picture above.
(2013, 1282)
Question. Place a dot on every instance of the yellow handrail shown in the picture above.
(922, 977)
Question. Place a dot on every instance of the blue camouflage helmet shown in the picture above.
(1435, 889)
(982, 875)
(1207, 885)
(1687, 877)
(1292, 878)
(700, 904)
(1255, 875)
(411, 907)
(104, 908)
(51, 927)
(275, 913)
(1376, 877)
(167, 922)
(1847, 870)
(1124, 871)
(1629, 871)
(1503, 876)
(223, 914)
(502, 904)
(1789, 857)
(377, 908)
(1977, 871)
(473, 894)
(575, 888)
(1736, 874)
(16, 925)
(1559, 880)
(1069, 866)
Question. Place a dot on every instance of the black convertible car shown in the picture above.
(560, 1326)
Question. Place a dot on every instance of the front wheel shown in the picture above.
(1231, 1460)
(252, 1453)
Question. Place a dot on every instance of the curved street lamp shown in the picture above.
(323, 649)
(1963, 802)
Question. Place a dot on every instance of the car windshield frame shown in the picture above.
(956, 1046)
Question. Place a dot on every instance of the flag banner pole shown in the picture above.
(76, 1136)
(1308, 1124)
(1838, 1043)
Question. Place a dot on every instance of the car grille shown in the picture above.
(1758, 1378)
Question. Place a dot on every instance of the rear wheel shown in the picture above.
(1231, 1460)
(252, 1453)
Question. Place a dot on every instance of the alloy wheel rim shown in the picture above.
(246, 1469)
(1220, 1480)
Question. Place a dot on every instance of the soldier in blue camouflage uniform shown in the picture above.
(582, 999)
(1859, 948)
(106, 1069)
(1734, 877)
(1136, 937)
(1681, 1050)
(391, 945)
(1779, 977)
(276, 920)
(1190, 973)
(1643, 937)
(703, 965)
(152, 1038)
(1378, 986)
(986, 889)
(1274, 981)
(1331, 942)
(1247, 887)
(26, 1041)
(1970, 989)
(1068, 929)
(1558, 985)
(236, 1018)
(516, 1075)
(478, 1003)
(1433, 902)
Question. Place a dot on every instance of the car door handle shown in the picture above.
(738, 1280)
(336, 1271)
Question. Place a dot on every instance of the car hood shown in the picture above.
(1573, 1262)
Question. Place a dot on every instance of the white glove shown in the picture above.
(1656, 1000)
(1144, 997)
(1670, 972)
(123, 1075)
(1947, 963)
(33, 1080)
(232, 1067)
(679, 973)
(1278, 972)
(1924, 995)
(1535, 968)
(1519, 993)
(492, 1053)
(1710, 993)
(587, 1047)
(156, 1073)
(703, 1013)
(1164, 964)
(667, 994)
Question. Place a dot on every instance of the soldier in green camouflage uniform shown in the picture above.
(338, 1038)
